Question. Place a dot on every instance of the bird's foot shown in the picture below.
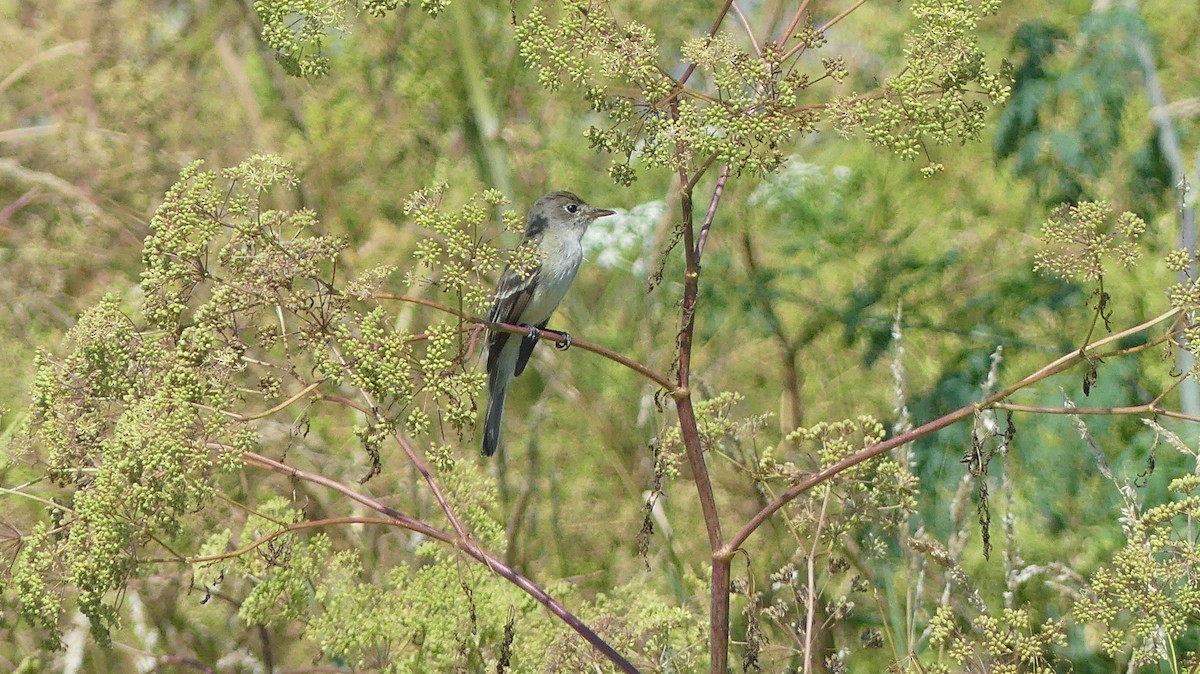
(565, 343)
(534, 332)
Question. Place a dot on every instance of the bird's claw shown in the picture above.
(534, 333)
(565, 343)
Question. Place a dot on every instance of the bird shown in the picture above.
(556, 225)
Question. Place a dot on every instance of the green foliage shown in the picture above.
(146, 411)
(1184, 295)
(437, 614)
(207, 232)
(298, 30)
(456, 259)
(406, 619)
(1063, 127)
(1080, 238)
(942, 58)
(260, 329)
(1003, 644)
(751, 103)
(32, 574)
(1148, 598)
(122, 421)
(135, 420)
(878, 492)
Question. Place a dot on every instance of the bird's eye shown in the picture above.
(572, 208)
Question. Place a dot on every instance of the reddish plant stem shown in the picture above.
(828, 472)
(718, 628)
(687, 74)
(423, 469)
(549, 335)
(559, 338)
(415, 457)
(1059, 365)
(712, 211)
(466, 545)
(824, 27)
(794, 23)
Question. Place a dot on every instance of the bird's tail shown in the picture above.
(495, 414)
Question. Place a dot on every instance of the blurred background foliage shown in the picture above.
(102, 103)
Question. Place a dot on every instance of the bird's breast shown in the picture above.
(560, 262)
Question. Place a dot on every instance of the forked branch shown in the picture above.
(466, 545)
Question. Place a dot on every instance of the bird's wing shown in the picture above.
(512, 296)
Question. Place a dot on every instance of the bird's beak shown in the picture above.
(601, 212)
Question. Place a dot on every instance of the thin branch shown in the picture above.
(46, 502)
(1172, 414)
(811, 598)
(699, 173)
(413, 455)
(1149, 408)
(1098, 312)
(299, 526)
(26, 132)
(560, 338)
(1167, 391)
(794, 23)
(824, 27)
(712, 210)
(467, 546)
(828, 472)
(427, 474)
(548, 335)
(266, 413)
(343, 400)
(1093, 411)
(65, 49)
(813, 479)
(82, 202)
(737, 11)
(835, 20)
(687, 74)
(428, 303)
(1070, 359)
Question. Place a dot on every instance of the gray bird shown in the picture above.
(556, 225)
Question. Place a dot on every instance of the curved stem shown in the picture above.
(266, 413)
(712, 210)
(737, 11)
(429, 303)
(413, 455)
(423, 469)
(1059, 365)
(824, 27)
(560, 338)
(413, 525)
(467, 546)
(556, 337)
(1069, 360)
(1148, 408)
(829, 471)
(794, 23)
